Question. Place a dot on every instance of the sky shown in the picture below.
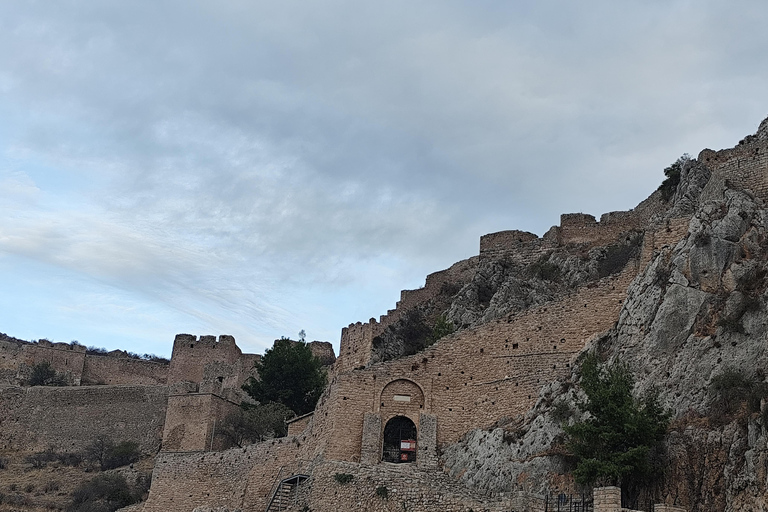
(258, 168)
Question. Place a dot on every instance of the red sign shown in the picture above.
(408, 445)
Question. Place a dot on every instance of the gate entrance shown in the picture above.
(399, 440)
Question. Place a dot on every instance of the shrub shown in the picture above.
(443, 327)
(44, 375)
(41, 459)
(51, 486)
(71, 459)
(254, 423)
(3, 463)
(731, 390)
(108, 455)
(545, 270)
(561, 411)
(382, 492)
(343, 478)
(29, 488)
(673, 173)
(105, 493)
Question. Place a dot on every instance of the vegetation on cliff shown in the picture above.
(620, 441)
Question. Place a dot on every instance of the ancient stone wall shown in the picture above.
(122, 370)
(66, 359)
(78, 367)
(299, 424)
(191, 355)
(743, 167)
(357, 339)
(191, 421)
(476, 376)
(239, 478)
(11, 355)
(388, 487)
(69, 418)
(520, 246)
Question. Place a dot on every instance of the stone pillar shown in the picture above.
(370, 451)
(607, 499)
(426, 456)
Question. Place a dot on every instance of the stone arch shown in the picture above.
(401, 397)
(399, 440)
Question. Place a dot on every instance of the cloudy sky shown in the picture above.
(256, 168)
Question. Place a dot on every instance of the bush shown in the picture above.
(673, 173)
(105, 493)
(343, 478)
(545, 270)
(108, 455)
(731, 391)
(44, 375)
(254, 423)
(40, 460)
(71, 459)
(382, 492)
(3, 463)
(51, 486)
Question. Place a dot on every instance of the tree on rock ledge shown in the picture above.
(288, 374)
(620, 441)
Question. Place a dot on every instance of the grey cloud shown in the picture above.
(292, 142)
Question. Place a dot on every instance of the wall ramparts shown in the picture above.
(357, 339)
(191, 420)
(190, 356)
(520, 246)
(70, 418)
(123, 370)
(240, 478)
(476, 376)
(77, 366)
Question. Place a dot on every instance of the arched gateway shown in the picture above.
(399, 440)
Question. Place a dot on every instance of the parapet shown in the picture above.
(519, 245)
(191, 355)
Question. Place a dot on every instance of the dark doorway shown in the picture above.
(399, 440)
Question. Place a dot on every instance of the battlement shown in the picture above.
(521, 246)
(743, 167)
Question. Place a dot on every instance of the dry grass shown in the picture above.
(24, 488)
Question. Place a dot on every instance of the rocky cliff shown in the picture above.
(695, 326)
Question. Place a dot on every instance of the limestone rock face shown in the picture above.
(698, 309)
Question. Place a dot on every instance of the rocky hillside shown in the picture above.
(695, 326)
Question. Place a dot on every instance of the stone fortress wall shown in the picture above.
(69, 418)
(79, 368)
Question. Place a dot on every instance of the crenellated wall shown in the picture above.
(77, 366)
(357, 339)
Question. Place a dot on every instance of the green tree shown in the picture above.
(620, 442)
(43, 374)
(288, 374)
(673, 174)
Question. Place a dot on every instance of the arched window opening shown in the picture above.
(399, 440)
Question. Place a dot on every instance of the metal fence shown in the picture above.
(568, 503)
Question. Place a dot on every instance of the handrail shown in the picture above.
(275, 487)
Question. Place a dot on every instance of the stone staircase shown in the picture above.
(285, 493)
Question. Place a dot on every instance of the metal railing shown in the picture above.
(568, 502)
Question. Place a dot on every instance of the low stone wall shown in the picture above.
(608, 499)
